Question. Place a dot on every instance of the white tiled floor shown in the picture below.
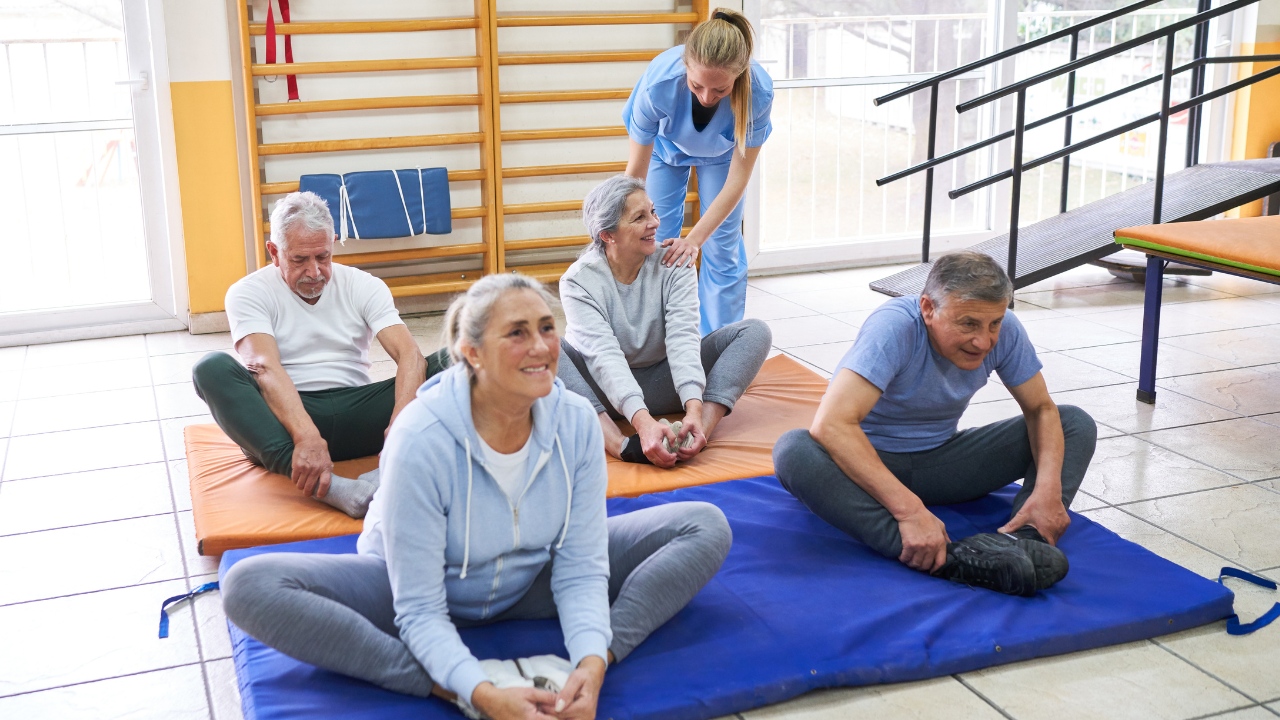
(95, 521)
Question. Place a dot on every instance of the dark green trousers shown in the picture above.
(351, 419)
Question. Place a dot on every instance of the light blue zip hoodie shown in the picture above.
(455, 545)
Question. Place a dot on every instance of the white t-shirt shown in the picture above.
(507, 469)
(322, 346)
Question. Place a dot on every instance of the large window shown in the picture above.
(817, 197)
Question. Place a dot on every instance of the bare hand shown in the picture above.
(691, 426)
(1044, 512)
(577, 700)
(513, 703)
(924, 541)
(651, 433)
(311, 466)
(683, 251)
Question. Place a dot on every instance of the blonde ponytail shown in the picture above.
(725, 41)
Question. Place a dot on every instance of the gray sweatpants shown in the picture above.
(336, 611)
(973, 463)
(731, 357)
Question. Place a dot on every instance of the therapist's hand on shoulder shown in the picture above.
(681, 252)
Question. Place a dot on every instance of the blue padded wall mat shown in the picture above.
(797, 606)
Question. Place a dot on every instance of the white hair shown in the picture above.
(299, 209)
(967, 275)
(470, 312)
(603, 207)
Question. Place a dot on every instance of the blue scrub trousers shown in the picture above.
(722, 282)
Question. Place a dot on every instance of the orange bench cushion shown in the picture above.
(1246, 243)
(237, 504)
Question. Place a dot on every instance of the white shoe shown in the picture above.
(545, 672)
(503, 674)
(675, 428)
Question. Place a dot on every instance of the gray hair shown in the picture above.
(470, 312)
(299, 209)
(603, 207)
(968, 275)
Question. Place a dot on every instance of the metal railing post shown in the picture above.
(1066, 127)
(1200, 49)
(928, 176)
(1019, 128)
(1165, 85)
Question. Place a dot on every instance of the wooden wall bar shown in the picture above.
(489, 137)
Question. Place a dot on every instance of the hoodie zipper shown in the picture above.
(515, 528)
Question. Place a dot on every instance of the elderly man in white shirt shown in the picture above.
(302, 326)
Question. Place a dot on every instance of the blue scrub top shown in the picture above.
(660, 112)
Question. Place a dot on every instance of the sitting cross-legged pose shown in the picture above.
(884, 441)
(632, 337)
(302, 325)
(492, 507)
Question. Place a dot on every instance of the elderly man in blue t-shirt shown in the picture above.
(884, 443)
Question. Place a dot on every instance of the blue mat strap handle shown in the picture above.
(1234, 626)
(164, 606)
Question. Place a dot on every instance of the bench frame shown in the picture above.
(1156, 261)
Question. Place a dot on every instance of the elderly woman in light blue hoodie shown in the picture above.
(492, 507)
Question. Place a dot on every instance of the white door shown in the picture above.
(86, 250)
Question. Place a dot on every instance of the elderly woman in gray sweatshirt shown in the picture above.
(632, 336)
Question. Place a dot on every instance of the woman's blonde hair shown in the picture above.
(725, 42)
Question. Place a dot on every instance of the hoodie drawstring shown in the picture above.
(568, 486)
(466, 542)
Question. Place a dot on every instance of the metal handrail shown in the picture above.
(1127, 127)
(1204, 13)
(1010, 52)
(1009, 133)
(1074, 65)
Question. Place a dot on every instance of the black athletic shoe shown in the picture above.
(991, 561)
(1050, 562)
(633, 453)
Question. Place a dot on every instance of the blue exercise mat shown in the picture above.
(797, 606)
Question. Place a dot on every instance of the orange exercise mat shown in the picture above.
(237, 504)
(1246, 243)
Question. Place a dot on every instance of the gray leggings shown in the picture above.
(336, 611)
(731, 357)
(973, 463)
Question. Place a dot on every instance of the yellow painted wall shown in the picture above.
(208, 177)
(1257, 115)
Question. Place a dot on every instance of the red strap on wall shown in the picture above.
(290, 80)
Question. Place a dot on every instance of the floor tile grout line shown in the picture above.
(13, 414)
(184, 580)
(1179, 454)
(75, 526)
(1224, 558)
(80, 472)
(108, 467)
(1156, 641)
(1118, 505)
(182, 546)
(960, 679)
(101, 679)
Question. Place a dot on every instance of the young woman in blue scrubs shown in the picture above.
(703, 104)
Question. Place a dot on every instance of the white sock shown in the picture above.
(351, 496)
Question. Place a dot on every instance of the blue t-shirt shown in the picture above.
(924, 394)
(660, 111)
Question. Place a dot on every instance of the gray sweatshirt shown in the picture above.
(617, 327)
